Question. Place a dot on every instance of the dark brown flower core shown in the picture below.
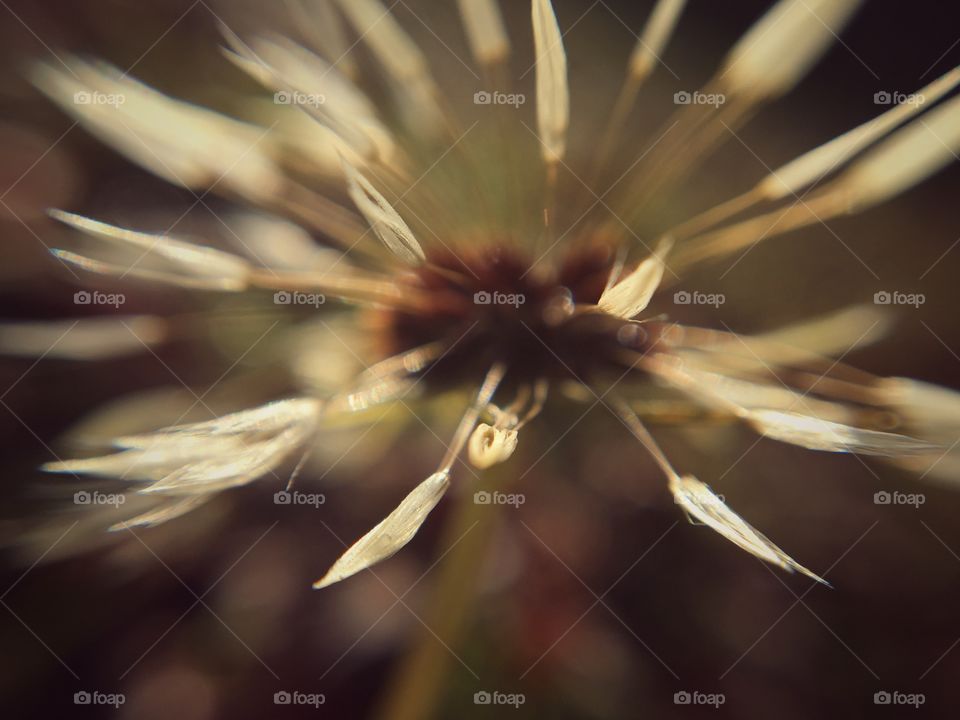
(496, 306)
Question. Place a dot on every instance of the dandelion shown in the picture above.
(500, 288)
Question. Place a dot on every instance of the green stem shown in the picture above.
(417, 687)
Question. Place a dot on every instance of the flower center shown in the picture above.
(499, 306)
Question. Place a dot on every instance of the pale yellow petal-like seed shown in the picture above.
(416, 91)
(199, 459)
(815, 433)
(164, 513)
(632, 294)
(306, 81)
(905, 159)
(779, 49)
(380, 30)
(485, 30)
(700, 502)
(812, 165)
(325, 26)
(823, 335)
(187, 263)
(385, 221)
(932, 410)
(553, 95)
(86, 339)
(182, 143)
(656, 35)
(392, 533)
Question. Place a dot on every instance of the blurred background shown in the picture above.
(592, 599)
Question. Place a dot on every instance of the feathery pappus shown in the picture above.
(513, 279)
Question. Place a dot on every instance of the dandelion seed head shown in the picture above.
(498, 287)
